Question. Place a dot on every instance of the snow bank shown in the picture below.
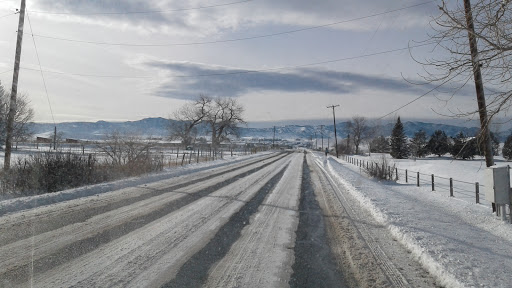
(433, 267)
(458, 242)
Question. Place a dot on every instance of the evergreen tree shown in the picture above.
(418, 145)
(379, 145)
(507, 148)
(438, 143)
(399, 148)
(463, 147)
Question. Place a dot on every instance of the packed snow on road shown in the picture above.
(274, 219)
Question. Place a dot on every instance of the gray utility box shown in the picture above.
(497, 185)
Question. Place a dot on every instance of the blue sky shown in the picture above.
(271, 76)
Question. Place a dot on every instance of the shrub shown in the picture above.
(51, 172)
(382, 169)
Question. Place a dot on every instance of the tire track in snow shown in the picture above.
(263, 255)
(195, 271)
(152, 255)
(392, 273)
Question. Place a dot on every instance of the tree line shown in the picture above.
(399, 146)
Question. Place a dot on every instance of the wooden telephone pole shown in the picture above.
(477, 75)
(335, 137)
(274, 139)
(322, 133)
(14, 89)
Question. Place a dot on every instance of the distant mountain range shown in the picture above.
(157, 127)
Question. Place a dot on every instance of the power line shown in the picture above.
(233, 39)
(416, 99)
(240, 71)
(6, 71)
(8, 15)
(40, 68)
(144, 12)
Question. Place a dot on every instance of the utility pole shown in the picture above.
(322, 133)
(14, 89)
(55, 138)
(316, 139)
(477, 75)
(335, 137)
(274, 139)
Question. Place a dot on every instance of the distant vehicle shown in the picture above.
(189, 148)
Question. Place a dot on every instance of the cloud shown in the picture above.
(229, 82)
(203, 22)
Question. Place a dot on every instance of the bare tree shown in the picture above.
(472, 38)
(493, 30)
(187, 118)
(23, 117)
(123, 149)
(221, 115)
(223, 118)
(359, 130)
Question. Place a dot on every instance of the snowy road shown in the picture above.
(275, 220)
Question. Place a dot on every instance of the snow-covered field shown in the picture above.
(461, 243)
(445, 166)
(465, 173)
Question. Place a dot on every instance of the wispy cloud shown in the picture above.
(203, 22)
(225, 81)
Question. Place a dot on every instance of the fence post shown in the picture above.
(477, 192)
(396, 172)
(451, 187)
(197, 156)
(183, 159)
(189, 157)
(433, 182)
(406, 177)
(418, 179)
(389, 173)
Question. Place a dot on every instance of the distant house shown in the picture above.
(72, 141)
(44, 140)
